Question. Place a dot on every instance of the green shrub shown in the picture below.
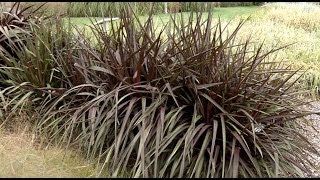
(192, 105)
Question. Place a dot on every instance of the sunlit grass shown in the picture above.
(19, 157)
(226, 13)
(24, 155)
(160, 20)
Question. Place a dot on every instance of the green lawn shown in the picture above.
(226, 13)
(231, 12)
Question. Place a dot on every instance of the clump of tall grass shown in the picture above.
(195, 104)
(29, 69)
(13, 23)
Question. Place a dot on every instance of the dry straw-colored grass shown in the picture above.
(303, 15)
(21, 155)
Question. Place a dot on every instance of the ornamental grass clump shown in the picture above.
(192, 105)
(186, 102)
(29, 71)
(16, 22)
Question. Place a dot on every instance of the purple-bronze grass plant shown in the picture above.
(192, 103)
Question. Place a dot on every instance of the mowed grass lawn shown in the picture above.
(226, 13)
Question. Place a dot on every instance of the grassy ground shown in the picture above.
(22, 156)
(226, 13)
(280, 24)
(231, 12)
